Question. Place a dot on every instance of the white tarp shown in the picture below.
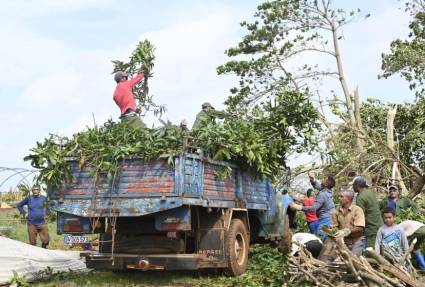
(27, 260)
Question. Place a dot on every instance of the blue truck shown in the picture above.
(183, 216)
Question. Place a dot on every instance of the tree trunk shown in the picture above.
(396, 175)
(360, 132)
(418, 186)
(348, 101)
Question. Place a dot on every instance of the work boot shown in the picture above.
(419, 259)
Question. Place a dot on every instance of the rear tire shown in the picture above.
(237, 248)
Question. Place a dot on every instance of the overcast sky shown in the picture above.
(56, 59)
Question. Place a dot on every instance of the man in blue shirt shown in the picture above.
(35, 216)
(287, 200)
(323, 204)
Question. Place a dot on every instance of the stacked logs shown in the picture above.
(348, 270)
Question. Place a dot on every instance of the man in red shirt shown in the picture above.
(311, 216)
(124, 98)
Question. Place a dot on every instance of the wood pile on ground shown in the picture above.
(349, 270)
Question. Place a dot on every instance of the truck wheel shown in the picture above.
(237, 247)
(285, 243)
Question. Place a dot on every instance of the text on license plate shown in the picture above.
(71, 239)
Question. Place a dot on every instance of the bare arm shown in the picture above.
(136, 79)
(357, 230)
(335, 220)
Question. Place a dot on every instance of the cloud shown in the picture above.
(188, 53)
(20, 9)
(59, 89)
(53, 87)
(362, 49)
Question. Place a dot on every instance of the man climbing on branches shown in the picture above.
(124, 98)
(133, 94)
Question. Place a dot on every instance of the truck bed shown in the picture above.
(146, 187)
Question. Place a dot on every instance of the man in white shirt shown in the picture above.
(415, 229)
(310, 241)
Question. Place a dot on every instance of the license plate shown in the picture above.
(72, 239)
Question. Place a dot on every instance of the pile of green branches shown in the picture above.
(102, 148)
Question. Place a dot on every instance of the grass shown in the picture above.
(135, 278)
(14, 226)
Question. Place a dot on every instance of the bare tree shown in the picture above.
(284, 33)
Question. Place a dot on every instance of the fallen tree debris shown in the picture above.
(348, 269)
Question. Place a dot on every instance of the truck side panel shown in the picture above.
(142, 188)
(256, 192)
(216, 186)
(135, 179)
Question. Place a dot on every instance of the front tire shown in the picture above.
(237, 248)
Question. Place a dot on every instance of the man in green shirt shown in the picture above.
(396, 201)
(207, 116)
(368, 202)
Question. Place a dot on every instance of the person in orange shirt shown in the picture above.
(311, 216)
(124, 98)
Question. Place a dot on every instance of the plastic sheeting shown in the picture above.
(27, 260)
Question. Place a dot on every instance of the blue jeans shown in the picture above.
(364, 241)
(358, 247)
(327, 221)
(313, 226)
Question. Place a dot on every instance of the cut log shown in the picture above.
(387, 266)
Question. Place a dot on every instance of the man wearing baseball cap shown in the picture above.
(396, 201)
(323, 204)
(368, 202)
(124, 98)
(206, 116)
